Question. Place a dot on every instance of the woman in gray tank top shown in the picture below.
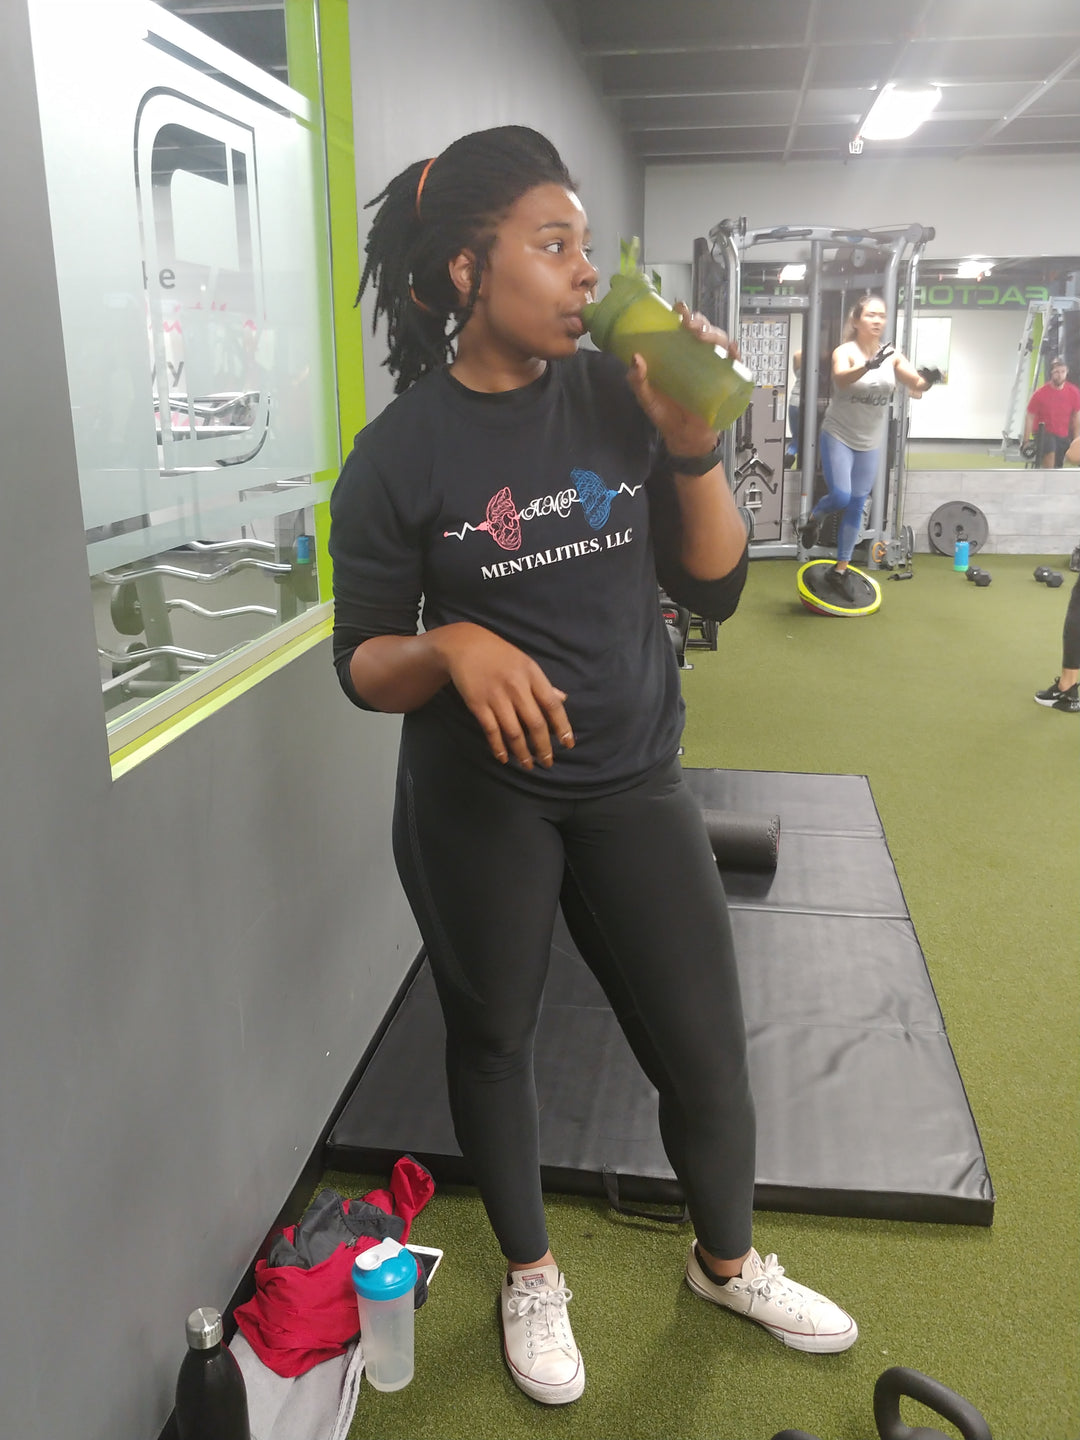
(865, 373)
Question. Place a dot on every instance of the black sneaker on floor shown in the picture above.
(1067, 700)
(808, 535)
(842, 583)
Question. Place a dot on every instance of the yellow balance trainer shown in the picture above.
(820, 597)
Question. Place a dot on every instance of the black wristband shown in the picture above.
(696, 464)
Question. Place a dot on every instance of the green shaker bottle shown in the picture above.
(634, 318)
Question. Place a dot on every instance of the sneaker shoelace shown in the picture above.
(545, 1313)
(771, 1284)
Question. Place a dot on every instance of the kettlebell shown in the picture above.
(900, 1381)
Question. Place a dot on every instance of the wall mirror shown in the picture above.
(991, 326)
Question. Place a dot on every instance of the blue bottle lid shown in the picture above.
(384, 1272)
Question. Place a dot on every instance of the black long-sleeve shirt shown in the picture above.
(546, 514)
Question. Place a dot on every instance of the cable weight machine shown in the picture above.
(841, 265)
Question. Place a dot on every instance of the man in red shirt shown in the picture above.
(1056, 406)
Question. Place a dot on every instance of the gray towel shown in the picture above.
(317, 1405)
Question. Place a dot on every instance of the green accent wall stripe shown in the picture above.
(178, 724)
(336, 65)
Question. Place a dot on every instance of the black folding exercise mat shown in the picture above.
(860, 1105)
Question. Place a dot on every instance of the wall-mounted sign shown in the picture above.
(1013, 294)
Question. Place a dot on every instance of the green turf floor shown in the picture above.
(960, 460)
(978, 790)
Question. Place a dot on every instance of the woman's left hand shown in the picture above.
(684, 432)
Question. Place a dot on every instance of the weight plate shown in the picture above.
(125, 609)
(907, 541)
(957, 520)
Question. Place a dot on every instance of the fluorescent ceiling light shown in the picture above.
(896, 114)
(792, 272)
(973, 269)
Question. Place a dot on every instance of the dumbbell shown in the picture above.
(981, 578)
(1046, 576)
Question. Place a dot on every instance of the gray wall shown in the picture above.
(195, 955)
(1028, 512)
(1015, 205)
(460, 67)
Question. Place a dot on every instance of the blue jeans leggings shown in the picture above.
(483, 865)
(849, 475)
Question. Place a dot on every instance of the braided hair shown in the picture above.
(428, 214)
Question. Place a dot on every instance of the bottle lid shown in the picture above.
(204, 1328)
(384, 1271)
(601, 316)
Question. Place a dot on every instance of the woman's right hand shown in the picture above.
(515, 704)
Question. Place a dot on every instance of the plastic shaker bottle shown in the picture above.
(384, 1279)
(634, 318)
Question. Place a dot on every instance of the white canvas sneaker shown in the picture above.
(537, 1340)
(796, 1315)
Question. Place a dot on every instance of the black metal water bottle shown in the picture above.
(211, 1399)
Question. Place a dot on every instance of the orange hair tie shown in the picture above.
(420, 185)
(419, 303)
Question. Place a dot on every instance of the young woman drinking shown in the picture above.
(529, 497)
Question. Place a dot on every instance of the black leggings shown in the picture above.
(1070, 637)
(483, 865)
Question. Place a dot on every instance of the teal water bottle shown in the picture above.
(633, 318)
(961, 552)
(384, 1278)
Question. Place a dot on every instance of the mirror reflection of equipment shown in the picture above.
(843, 264)
(1051, 328)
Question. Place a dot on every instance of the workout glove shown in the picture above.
(881, 355)
(932, 375)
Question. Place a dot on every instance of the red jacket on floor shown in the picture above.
(299, 1317)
